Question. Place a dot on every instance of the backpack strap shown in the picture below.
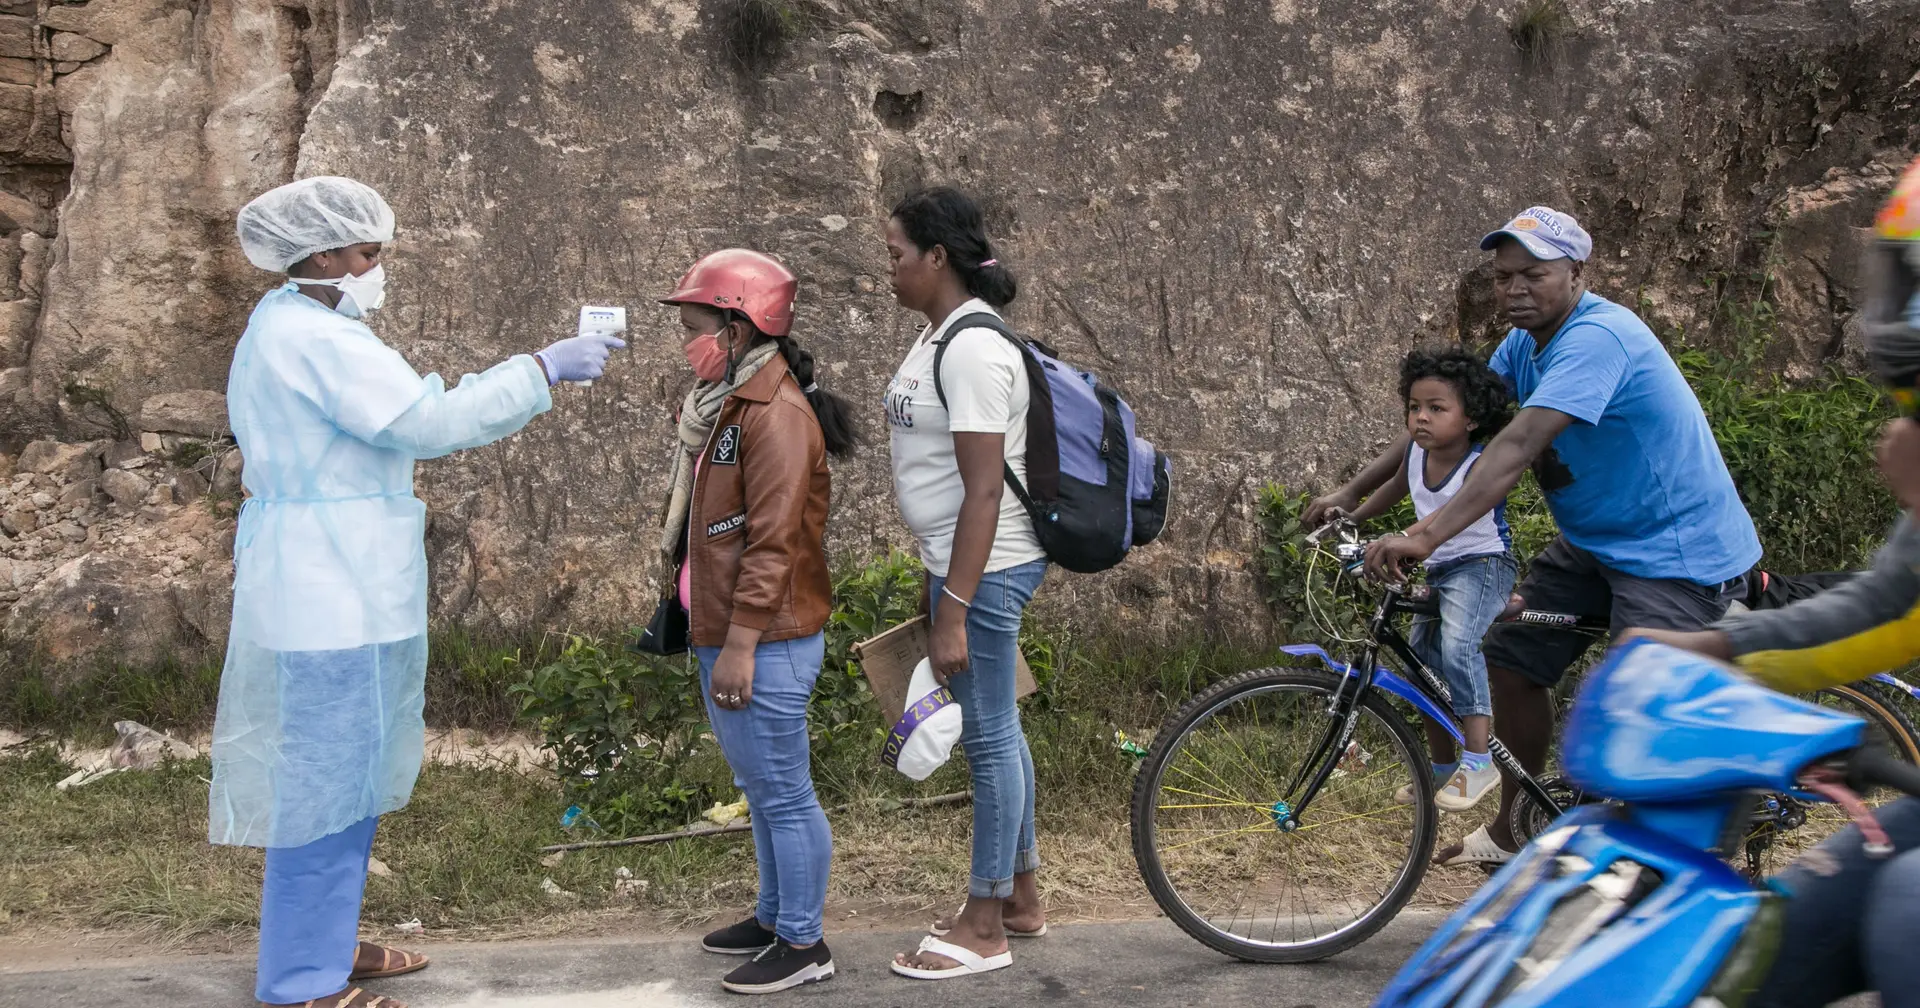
(983, 320)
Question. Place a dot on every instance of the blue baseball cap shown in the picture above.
(1545, 232)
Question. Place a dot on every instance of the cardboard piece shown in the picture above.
(888, 662)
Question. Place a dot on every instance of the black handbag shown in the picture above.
(667, 633)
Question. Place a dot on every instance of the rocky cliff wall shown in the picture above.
(1240, 213)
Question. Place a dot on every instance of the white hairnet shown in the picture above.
(285, 225)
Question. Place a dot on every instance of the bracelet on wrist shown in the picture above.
(948, 592)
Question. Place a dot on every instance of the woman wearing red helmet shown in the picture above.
(743, 532)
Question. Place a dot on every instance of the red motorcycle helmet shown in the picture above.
(751, 283)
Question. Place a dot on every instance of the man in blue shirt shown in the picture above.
(1652, 531)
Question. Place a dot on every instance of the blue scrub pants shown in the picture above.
(310, 915)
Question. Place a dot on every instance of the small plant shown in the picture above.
(868, 598)
(102, 400)
(627, 734)
(1539, 30)
(190, 453)
(756, 33)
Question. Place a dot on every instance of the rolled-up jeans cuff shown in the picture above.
(1026, 861)
(979, 888)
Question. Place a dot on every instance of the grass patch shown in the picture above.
(757, 33)
(469, 677)
(130, 853)
(82, 703)
(1539, 29)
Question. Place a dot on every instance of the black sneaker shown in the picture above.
(780, 966)
(744, 938)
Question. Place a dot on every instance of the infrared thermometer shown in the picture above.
(601, 320)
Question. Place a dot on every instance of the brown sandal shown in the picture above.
(393, 962)
(353, 997)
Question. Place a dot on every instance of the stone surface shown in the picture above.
(126, 489)
(19, 521)
(227, 475)
(50, 456)
(68, 47)
(187, 487)
(196, 412)
(96, 605)
(1239, 214)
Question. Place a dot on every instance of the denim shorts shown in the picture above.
(1471, 592)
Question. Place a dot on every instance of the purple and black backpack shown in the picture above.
(1093, 489)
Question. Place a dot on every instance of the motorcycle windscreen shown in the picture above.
(1656, 724)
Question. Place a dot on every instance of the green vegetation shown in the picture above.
(756, 33)
(1539, 29)
(1801, 454)
(130, 851)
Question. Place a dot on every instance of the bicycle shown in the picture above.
(1220, 807)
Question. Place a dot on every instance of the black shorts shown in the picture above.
(1567, 579)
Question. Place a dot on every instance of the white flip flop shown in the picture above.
(937, 931)
(1478, 847)
(971, 962)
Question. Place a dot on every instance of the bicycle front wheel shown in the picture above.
(1214, 788)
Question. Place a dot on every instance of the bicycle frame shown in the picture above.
(1425, 691)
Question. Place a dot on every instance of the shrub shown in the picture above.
(627, 733)
(1539, 29)
(867, 599)
(756, 33)
(1801, 455)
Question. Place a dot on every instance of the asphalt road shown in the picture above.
(1135, 965)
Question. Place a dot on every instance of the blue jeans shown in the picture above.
(768, 749)
(310, 915)
(996, 748)
(1851, 920)
(1472, 591)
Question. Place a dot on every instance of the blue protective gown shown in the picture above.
(319, 724)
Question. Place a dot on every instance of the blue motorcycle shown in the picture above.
(1629, 902)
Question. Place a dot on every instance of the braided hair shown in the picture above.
(951, 219)
(837, 426)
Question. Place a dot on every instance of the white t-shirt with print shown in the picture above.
(986, 384)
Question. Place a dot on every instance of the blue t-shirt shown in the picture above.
(1650, 495)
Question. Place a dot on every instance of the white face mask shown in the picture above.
(358, 294)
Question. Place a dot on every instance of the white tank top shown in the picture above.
(1488, 535)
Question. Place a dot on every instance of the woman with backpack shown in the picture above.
(983, 560)
(743, 532)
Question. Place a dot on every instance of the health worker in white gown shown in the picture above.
(319, 729)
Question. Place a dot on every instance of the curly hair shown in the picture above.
(1483, 394)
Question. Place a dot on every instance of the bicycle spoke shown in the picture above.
(1190, 775)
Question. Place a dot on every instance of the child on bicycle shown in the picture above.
(1454, 403)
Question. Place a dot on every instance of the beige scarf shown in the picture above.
(697, 415)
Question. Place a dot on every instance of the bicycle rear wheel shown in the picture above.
(1785, 827)
(1213, 788)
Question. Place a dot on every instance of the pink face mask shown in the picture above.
(708, 358)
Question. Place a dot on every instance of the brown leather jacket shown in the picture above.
(759, 515)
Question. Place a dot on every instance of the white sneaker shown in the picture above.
(1404, 796)
(1465, 789)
